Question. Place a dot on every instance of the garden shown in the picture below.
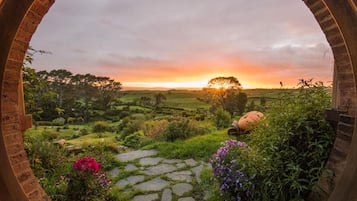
(281, 158)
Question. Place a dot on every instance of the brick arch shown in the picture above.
(19, 20)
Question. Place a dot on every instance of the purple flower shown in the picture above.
(228, 170)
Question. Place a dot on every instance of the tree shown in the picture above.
(59, 81)
(159, 98)
(226, 93)
(85, 91)
(108, 90)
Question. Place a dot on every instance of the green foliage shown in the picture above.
(198, 147)
(44, 156)
(101, 126)
(134, 140)
(58, 121)
(234, 169)
(182, 128)
(130, 126)
(294, 141)
(86, 181)
(222, 119)
(155, 129)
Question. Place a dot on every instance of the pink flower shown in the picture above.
(87, 164)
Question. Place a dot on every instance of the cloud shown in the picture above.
(184, 39)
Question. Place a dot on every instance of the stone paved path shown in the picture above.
(156, 178)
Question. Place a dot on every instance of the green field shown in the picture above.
(187, 99)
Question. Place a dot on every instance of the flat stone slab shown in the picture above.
(131, 180)
(172, 161)
(133, 155)
(130, 167)
(148, 197)
(191, 162)
(186, 199)
(166, 195)
(156, 184)
(150, 161)
(180, 176)
(198, 170)
(182, 188)
(180, 165)
(159, 169)
(114, 172)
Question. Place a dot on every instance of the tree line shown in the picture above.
(60, 93)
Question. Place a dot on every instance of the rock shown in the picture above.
(150, 161)
(191, 162)
(166, 195)
(186, 199)
(148, 197)
(180, 176)
(114, 172)
(180, 165)
(159, 169)
(182, 188)
(130, 167)
(133, 155)
(197, 170)
(156, 184)
(172, 161)
(131, 180)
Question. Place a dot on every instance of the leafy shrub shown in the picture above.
(100, 126)
(182, 128)
(58, 121)
(43, 123)
(295, 141)
(44, 156)
(83, 131)
(233, 170)
(155, 129)
(87, 182)
(222, 119)
(132, 126)
(133, 140)
(50, 135)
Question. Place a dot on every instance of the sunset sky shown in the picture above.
(184, 43)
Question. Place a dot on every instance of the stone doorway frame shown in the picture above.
(19, 20)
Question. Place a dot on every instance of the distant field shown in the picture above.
(187, 99)
(174, 98)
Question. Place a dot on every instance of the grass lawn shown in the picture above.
(199, 147)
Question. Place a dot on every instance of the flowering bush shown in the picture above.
(231, 169)
(87, 182)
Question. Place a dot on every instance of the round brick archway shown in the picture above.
(19, 20)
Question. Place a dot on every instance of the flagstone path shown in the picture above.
(156, 178)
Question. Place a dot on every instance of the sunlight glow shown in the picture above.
(168, 85)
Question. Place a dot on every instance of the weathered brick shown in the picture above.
(14, 149)
(16, 55)
(18, 158)
(342, 146)
(8, 75)
(344, 68)
(14, 127)
(345, 76)
(30, 184)
(330, 27)
(311, 3)
(10, 96)
(34, 195)
(25, 175)
(10, 118)
(12, 138)
(23, 166)
(9, 107)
